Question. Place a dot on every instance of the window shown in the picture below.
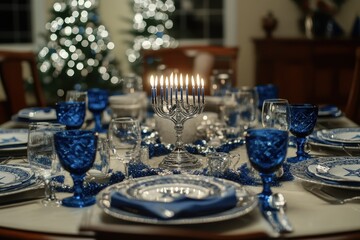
(200, 19)
(15, 21)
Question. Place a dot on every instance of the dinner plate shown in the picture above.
(329, 111)
(37, 114)
(12, 176)
(12, 138)
(165, 188)
(341, 135)
(301, 171)
(338, 169)
(317, 141)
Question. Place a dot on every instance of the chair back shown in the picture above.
(352, 109)
(11, 74)
(202, 60)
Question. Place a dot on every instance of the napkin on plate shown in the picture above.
(181, 207)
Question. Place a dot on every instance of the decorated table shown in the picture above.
(310, 216)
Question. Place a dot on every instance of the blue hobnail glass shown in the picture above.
(71, 114)
(266, 91)
(98, 100)
(266, 149)
(76, 150)
(302, 123)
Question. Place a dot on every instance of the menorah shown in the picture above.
(173, 105)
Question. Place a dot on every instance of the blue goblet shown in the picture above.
(76, 150)
(302, 123)
(266, 149)
(98, 100)
(71, 114)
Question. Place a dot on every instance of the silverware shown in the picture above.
(332, 196)
(273, 209)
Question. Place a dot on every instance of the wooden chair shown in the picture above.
(201, 60)
(11, 74)
(352, 109)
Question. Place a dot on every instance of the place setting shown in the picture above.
(13, 143)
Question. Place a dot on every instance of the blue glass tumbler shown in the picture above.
(98, 100)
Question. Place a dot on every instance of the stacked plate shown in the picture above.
(15, 179)
(36, 114)
(328, 111)
(13, 143)
(164, 190)
(340, 172)
(343, 139)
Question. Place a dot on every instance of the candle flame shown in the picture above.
(152, 81)
(176, 81)
(166, 81)
(161, 80)
(172, 80)
(202, 82)
(193, 81)
(156, 81)
(198, 81)
(181, 80)
(187, 80)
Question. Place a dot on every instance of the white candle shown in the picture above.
(187, 88)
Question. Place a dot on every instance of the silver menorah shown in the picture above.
(173, 105)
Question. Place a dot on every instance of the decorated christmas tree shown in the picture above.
(151, 28)
(77, 53)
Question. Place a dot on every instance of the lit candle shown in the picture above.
(193, 88)
(156, 84)
(198, 87)
(181, 87)
(161, 88)
(171, 88)
(176, 88)
(202, 89)
(187, 88)
(152, 89)
(167, 88)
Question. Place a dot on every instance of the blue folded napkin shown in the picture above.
(181, 207)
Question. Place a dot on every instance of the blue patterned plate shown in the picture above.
(170, 187)
(338, 169)
(303, 172)
(341, 135)
(37, 114)
(10, 138)
(12, 176)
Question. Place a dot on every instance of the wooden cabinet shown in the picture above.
(315, 71)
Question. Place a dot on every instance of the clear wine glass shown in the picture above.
(275, 114)
(266, 149)
(42, 157)
(98, 100)
(76, 96)
(76, 150)
(303, 119)
(247, 99)
(71, 114)
(125, 138)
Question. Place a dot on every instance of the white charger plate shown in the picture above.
(13, 137)
(341, 135)
(198, 186)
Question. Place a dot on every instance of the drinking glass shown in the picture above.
(276, 114)
(76, 150)
(302, 122)
(125, 138)
(266, 149)
(71, 114)
(266, 91)
(76, 96)
(247, 99)
(42, 157)
(97, 102)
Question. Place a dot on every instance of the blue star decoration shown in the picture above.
(9, 140)
(351, 172)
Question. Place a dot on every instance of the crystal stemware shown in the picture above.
(266, 149)
(276, 114)
(71, 114)
(302, 122)
(76, 96)
(76, 150)
(98, 100)
(125, 138)
(42, 157)
(247, 99)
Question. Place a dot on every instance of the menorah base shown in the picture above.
(180, 160)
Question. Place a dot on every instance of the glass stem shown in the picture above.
(300, 143)
(78, 185)
(97, 119)
(267, 180)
